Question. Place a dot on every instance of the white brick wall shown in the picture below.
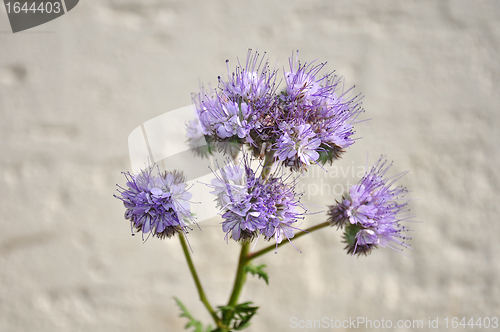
(73, 89)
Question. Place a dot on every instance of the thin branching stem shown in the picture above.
(199, 287)
(296, 236)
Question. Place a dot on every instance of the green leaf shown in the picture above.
(198, 326)
(327, 154)
(258, 270)
(350, 233)
(239, 315)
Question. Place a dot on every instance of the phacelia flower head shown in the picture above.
(371, 213)
(157, 203)
(320, 101)
(255, 205)
(233, 109)
(309, 121)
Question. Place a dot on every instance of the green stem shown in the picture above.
(203, 297)
(268, 164)
(239, 280)
(296, 236)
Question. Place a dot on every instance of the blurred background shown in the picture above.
(72, 90)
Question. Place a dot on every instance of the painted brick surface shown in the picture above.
(73, 89)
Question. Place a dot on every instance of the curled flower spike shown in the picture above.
(320, 102)
(253, 206)
(371, 213)
(233, 109)
(157, 203)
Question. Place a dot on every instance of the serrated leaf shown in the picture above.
(198, 326)
(244, 312)
(258, 270)
(239, 315)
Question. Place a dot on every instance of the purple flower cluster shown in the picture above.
(371, 212)
(309, 121)
(252, 205)
(232, 110)
(156, 203)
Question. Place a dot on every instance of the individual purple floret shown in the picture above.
(297, 146)
(253, 83)
(372, 212)
(157, 203)
(252, 205)
(302, 85)
(221, 118)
